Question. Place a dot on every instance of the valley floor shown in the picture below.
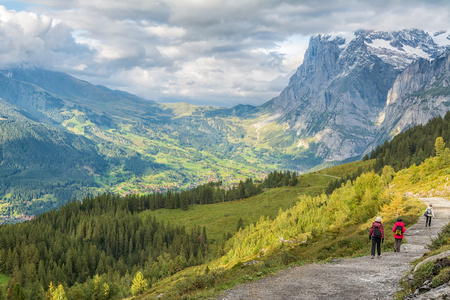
(352, 278)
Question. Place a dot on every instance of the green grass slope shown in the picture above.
(222, 218)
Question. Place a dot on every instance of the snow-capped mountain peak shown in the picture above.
(401, 48)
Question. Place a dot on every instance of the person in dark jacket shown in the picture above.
(376, 234)
(398, 237)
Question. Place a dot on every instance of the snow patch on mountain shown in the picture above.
(401, 48)
(441, 38)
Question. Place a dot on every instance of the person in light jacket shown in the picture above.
(429, 213)
(398, 237)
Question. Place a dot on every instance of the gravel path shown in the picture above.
(350, 278)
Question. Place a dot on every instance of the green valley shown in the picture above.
(134, 145)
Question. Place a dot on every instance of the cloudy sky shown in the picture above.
(206, 52)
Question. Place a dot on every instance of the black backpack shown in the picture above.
(399, 230)
(377, 231)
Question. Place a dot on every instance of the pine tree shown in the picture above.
(37, 291)
(294, 179)
(59, 293)
(439, 146)
(240, 224)
(100, 291)
(139, 284)
(387, 175)
(16, 292)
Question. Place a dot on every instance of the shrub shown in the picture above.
(287, 257)
(422, 274)
(441, 239)
(441, 278)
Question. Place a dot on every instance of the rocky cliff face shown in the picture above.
(336, 97)
(419, 93)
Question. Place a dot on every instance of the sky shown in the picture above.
(204, 52)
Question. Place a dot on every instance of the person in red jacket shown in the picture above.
(399, 230)
(376, 234)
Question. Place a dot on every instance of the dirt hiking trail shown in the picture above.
(350, 278)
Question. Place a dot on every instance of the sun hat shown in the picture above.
(378, 219)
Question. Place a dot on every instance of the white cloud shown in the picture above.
(165, 31)
(31, 39)
(220, 52)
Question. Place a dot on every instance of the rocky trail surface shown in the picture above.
(350, 278)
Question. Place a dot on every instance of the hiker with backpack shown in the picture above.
(399, 230)
(429, 213)
(376, 234)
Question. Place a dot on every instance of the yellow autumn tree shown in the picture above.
(395, 208)
(60, 294)
(100, 289)
(387, 175)
(439, 146)
(51, 290)
(139, 284)
(57, 293)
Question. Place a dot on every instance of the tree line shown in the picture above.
(204, 194)
(412, 146)
(280, 178)
(335, 184)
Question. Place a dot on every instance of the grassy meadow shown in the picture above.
(222, 218)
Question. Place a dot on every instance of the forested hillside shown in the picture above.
(36, 160)
(100, 241)
(115, 241)
(413, 145)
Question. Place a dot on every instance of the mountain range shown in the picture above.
(62, 137)
(338, 99)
